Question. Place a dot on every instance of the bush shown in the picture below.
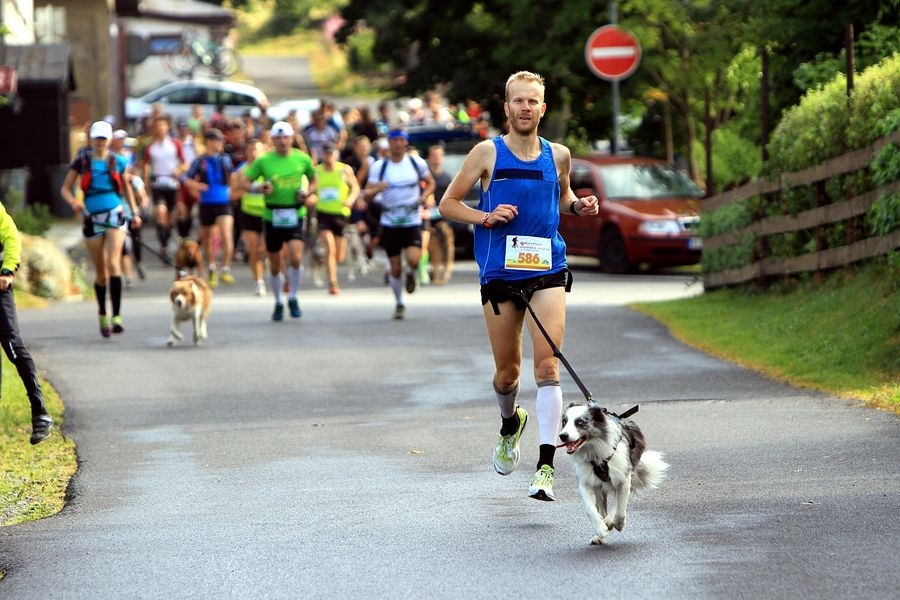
(722, 220)
(884, 216)
(35, 219)
(45, 270)
(826, 123)
(813, 131)
(876, 96)
(735, 159)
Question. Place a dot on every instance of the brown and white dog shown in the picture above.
(191, 300)
(610, 458)
(188, 259)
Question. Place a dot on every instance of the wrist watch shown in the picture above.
(7, 273)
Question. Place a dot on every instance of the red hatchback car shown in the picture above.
(649, 214)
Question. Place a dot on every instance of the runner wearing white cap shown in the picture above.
(106, 186)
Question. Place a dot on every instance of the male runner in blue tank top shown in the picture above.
(524, 184)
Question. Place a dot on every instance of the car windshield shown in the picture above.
(646, 182)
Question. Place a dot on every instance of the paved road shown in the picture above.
(281, 77)
(346, 455)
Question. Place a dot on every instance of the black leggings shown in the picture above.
(18, 353)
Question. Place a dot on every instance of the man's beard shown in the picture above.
(523, 128)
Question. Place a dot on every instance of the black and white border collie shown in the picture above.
(610, 459)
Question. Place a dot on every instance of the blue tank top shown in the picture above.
(533, 187)
(218, 191)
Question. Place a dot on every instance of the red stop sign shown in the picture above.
(612, 53)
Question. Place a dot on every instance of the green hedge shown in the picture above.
(824, 125)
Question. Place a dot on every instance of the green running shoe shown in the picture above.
(506, 453)
(542, 484)
(105, 331)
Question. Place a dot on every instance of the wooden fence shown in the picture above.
(817, 218)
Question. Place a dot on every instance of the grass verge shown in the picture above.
(34, 479)
(841, 337)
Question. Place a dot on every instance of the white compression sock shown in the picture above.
(397, 287)
(275, 286)
(549, 412)
(293, 281)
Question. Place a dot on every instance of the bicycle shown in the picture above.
(196, 53)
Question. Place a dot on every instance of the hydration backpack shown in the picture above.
(85, 157)
(412, 161)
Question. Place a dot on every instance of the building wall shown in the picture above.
(88, 31)
(18, 16)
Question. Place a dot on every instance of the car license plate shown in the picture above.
(695, 243)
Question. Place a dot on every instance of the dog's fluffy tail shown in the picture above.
(650, 472)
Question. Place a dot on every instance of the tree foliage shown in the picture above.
(690, 48)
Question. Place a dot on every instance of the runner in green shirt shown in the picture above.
(289, 184)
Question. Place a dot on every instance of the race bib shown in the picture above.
(329, 194)
(528, 253)
(285, 217)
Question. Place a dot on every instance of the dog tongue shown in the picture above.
(570, 446)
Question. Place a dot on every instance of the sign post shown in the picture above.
(613, 54)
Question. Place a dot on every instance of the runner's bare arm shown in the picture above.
(568, 202)
(476, 169)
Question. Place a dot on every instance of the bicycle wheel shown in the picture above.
(227, 62)
(182, 64)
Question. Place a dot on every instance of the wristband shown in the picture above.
(572, 209)
(484, 221)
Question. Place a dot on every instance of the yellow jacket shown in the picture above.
(10, 241)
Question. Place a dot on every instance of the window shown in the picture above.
(646, 182)
(581, 178)
(49, 24)
(229, 98)
(187, 96)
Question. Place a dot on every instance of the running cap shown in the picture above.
(120, 134)
(101, 129)
(282, 128)
(398, 133)
(213, 134)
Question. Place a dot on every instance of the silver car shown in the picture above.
(177, 99)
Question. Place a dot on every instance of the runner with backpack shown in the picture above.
(395, 182)
(105, 183)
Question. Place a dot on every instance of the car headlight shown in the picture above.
(660, 227)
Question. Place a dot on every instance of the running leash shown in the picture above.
(557, 353)
(164, 259)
